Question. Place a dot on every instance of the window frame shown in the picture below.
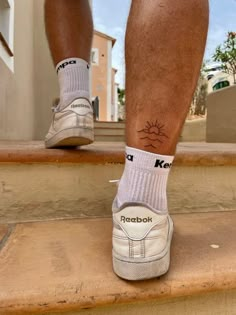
(95, 51)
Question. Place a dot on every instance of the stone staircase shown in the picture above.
(55, 233)
(193, 131)
(109, 131)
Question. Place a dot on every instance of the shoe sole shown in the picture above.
(134, 270)
(71, 138)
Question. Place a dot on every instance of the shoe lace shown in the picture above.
(55, 104)
(114, 181)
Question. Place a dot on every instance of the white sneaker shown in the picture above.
(141, 242)
(72, 126)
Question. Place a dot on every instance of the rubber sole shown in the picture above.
(136, 270)
(141, 271)
(70, 138)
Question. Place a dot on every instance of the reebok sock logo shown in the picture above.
(162, 164)
(135, 220)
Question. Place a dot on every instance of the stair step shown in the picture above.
(109, 138)
(109, 125)
(193, 131)
(65, 265)
(41, 184)
(109, 132)
(188, 153)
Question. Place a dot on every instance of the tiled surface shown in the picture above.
(66, 265)
(107, 152)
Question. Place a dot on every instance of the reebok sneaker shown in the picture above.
(71, 126)
(141, 242)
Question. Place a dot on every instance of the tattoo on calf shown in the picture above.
(153, 132)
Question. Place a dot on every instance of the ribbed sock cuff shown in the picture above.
(144, 179)
(73, 76)
(148, 161)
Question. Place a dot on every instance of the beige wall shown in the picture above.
(99, 75)
(16, 89)
(221, 116)
(114, 105)
(26, 94)
(45, 78)
(194, 131)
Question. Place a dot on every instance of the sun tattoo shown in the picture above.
(154, 133)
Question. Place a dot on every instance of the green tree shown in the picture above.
(198, 106)
(226, 54)
(200, 102)
(121, 99)
(121, 96)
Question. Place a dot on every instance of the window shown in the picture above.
(7, 31)
(95, 56)
(95, 103)
(221, 85)
(210, 76)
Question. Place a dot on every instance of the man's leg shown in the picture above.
(165, 42)
(69, 29)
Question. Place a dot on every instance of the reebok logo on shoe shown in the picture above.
(80, 105)
(135, 220)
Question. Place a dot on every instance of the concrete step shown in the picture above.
(109, 125)
(193, 131)
(39, 184)
(64, 267)
(109, 138)
(109, 131)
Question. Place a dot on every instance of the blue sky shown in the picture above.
(110, 17)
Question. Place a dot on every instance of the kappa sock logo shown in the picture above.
(129, 157)
(162, 164)
(135, 220)
(65, 64)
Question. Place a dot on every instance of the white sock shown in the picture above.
(144, 179)
(73, 75)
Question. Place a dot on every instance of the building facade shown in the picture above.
(217, 79)
(103, 77)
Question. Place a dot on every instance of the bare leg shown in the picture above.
(69, 28)
(165, 42)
